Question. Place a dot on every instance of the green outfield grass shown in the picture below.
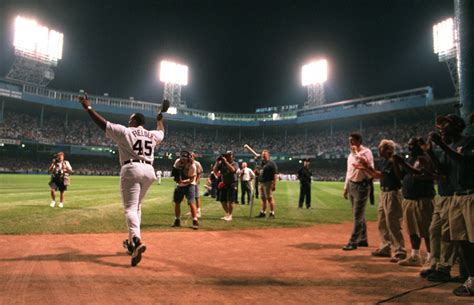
(93, 205)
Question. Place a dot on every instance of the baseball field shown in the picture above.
(74, 255)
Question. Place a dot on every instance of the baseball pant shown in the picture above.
(390, 216)
(442, 250)
(135, 179)
(358, 195)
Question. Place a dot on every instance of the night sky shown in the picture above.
(241, 54)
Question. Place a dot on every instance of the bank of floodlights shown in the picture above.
(313, 76)
(173, 75)
(444, 45)
(37, 50)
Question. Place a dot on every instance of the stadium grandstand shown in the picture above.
(36, 122)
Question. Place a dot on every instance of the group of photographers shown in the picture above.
(407, 193)
(222, 185)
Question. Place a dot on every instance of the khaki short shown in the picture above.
(417, 216)
(461, 218)
(266, 192)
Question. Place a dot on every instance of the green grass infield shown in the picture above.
(93, 205)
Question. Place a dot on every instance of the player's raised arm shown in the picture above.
(97, 118)
(159, 118)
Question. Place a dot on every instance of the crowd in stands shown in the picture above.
(55, 130)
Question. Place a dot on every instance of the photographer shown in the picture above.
(227, 167)
(60, 170)
(184, 173)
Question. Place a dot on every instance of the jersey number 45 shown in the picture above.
(141, 146)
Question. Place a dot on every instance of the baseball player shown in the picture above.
(159, 174)
(60, 170)
(136, 147)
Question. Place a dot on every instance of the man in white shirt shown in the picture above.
(136, 152)
(196, 182)
(356, 188)
(246, 177)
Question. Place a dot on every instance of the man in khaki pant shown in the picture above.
(460, 156)
(390, 209)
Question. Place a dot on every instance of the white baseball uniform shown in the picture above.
(136, 147)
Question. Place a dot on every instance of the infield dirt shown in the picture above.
(278, 266)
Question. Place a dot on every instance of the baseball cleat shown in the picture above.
(137, 254)
(60, 205)
(128, 246)
(195, 225)
(52, 204)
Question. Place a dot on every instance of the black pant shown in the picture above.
(246, 190)
(305, 193)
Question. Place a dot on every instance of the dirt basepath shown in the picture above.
(279, 266)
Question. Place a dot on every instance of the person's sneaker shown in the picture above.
(261, 215)
(224, 217)
(349, 247)
(228, 218)
(60, 205)
(128, 246)
(464, 290)
(195, 225)
(52, 204)
(384, 252)
(138, 250)
(362, 243)
(177, 223)
(271, 215)
(198, 214)
(398, 257)
(412, 260)
(424, 273)
(439, 276)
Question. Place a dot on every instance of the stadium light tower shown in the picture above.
(444, 44)
(174, 76)
(37, 50)
(313, 76)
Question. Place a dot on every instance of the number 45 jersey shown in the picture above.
(135, 143)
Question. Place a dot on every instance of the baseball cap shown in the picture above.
(184, 154)
(229, 152)
(452, 119)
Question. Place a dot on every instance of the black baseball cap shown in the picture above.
(453, 119)
(184, 154)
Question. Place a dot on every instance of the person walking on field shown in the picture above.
(136, 147)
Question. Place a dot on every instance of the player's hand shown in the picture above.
(435, 137)
(84, 100)
(345, 194)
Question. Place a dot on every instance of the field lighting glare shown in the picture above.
(36, 41)
(314, 73)
(172, 110)
(173, 73)
(443, 36)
